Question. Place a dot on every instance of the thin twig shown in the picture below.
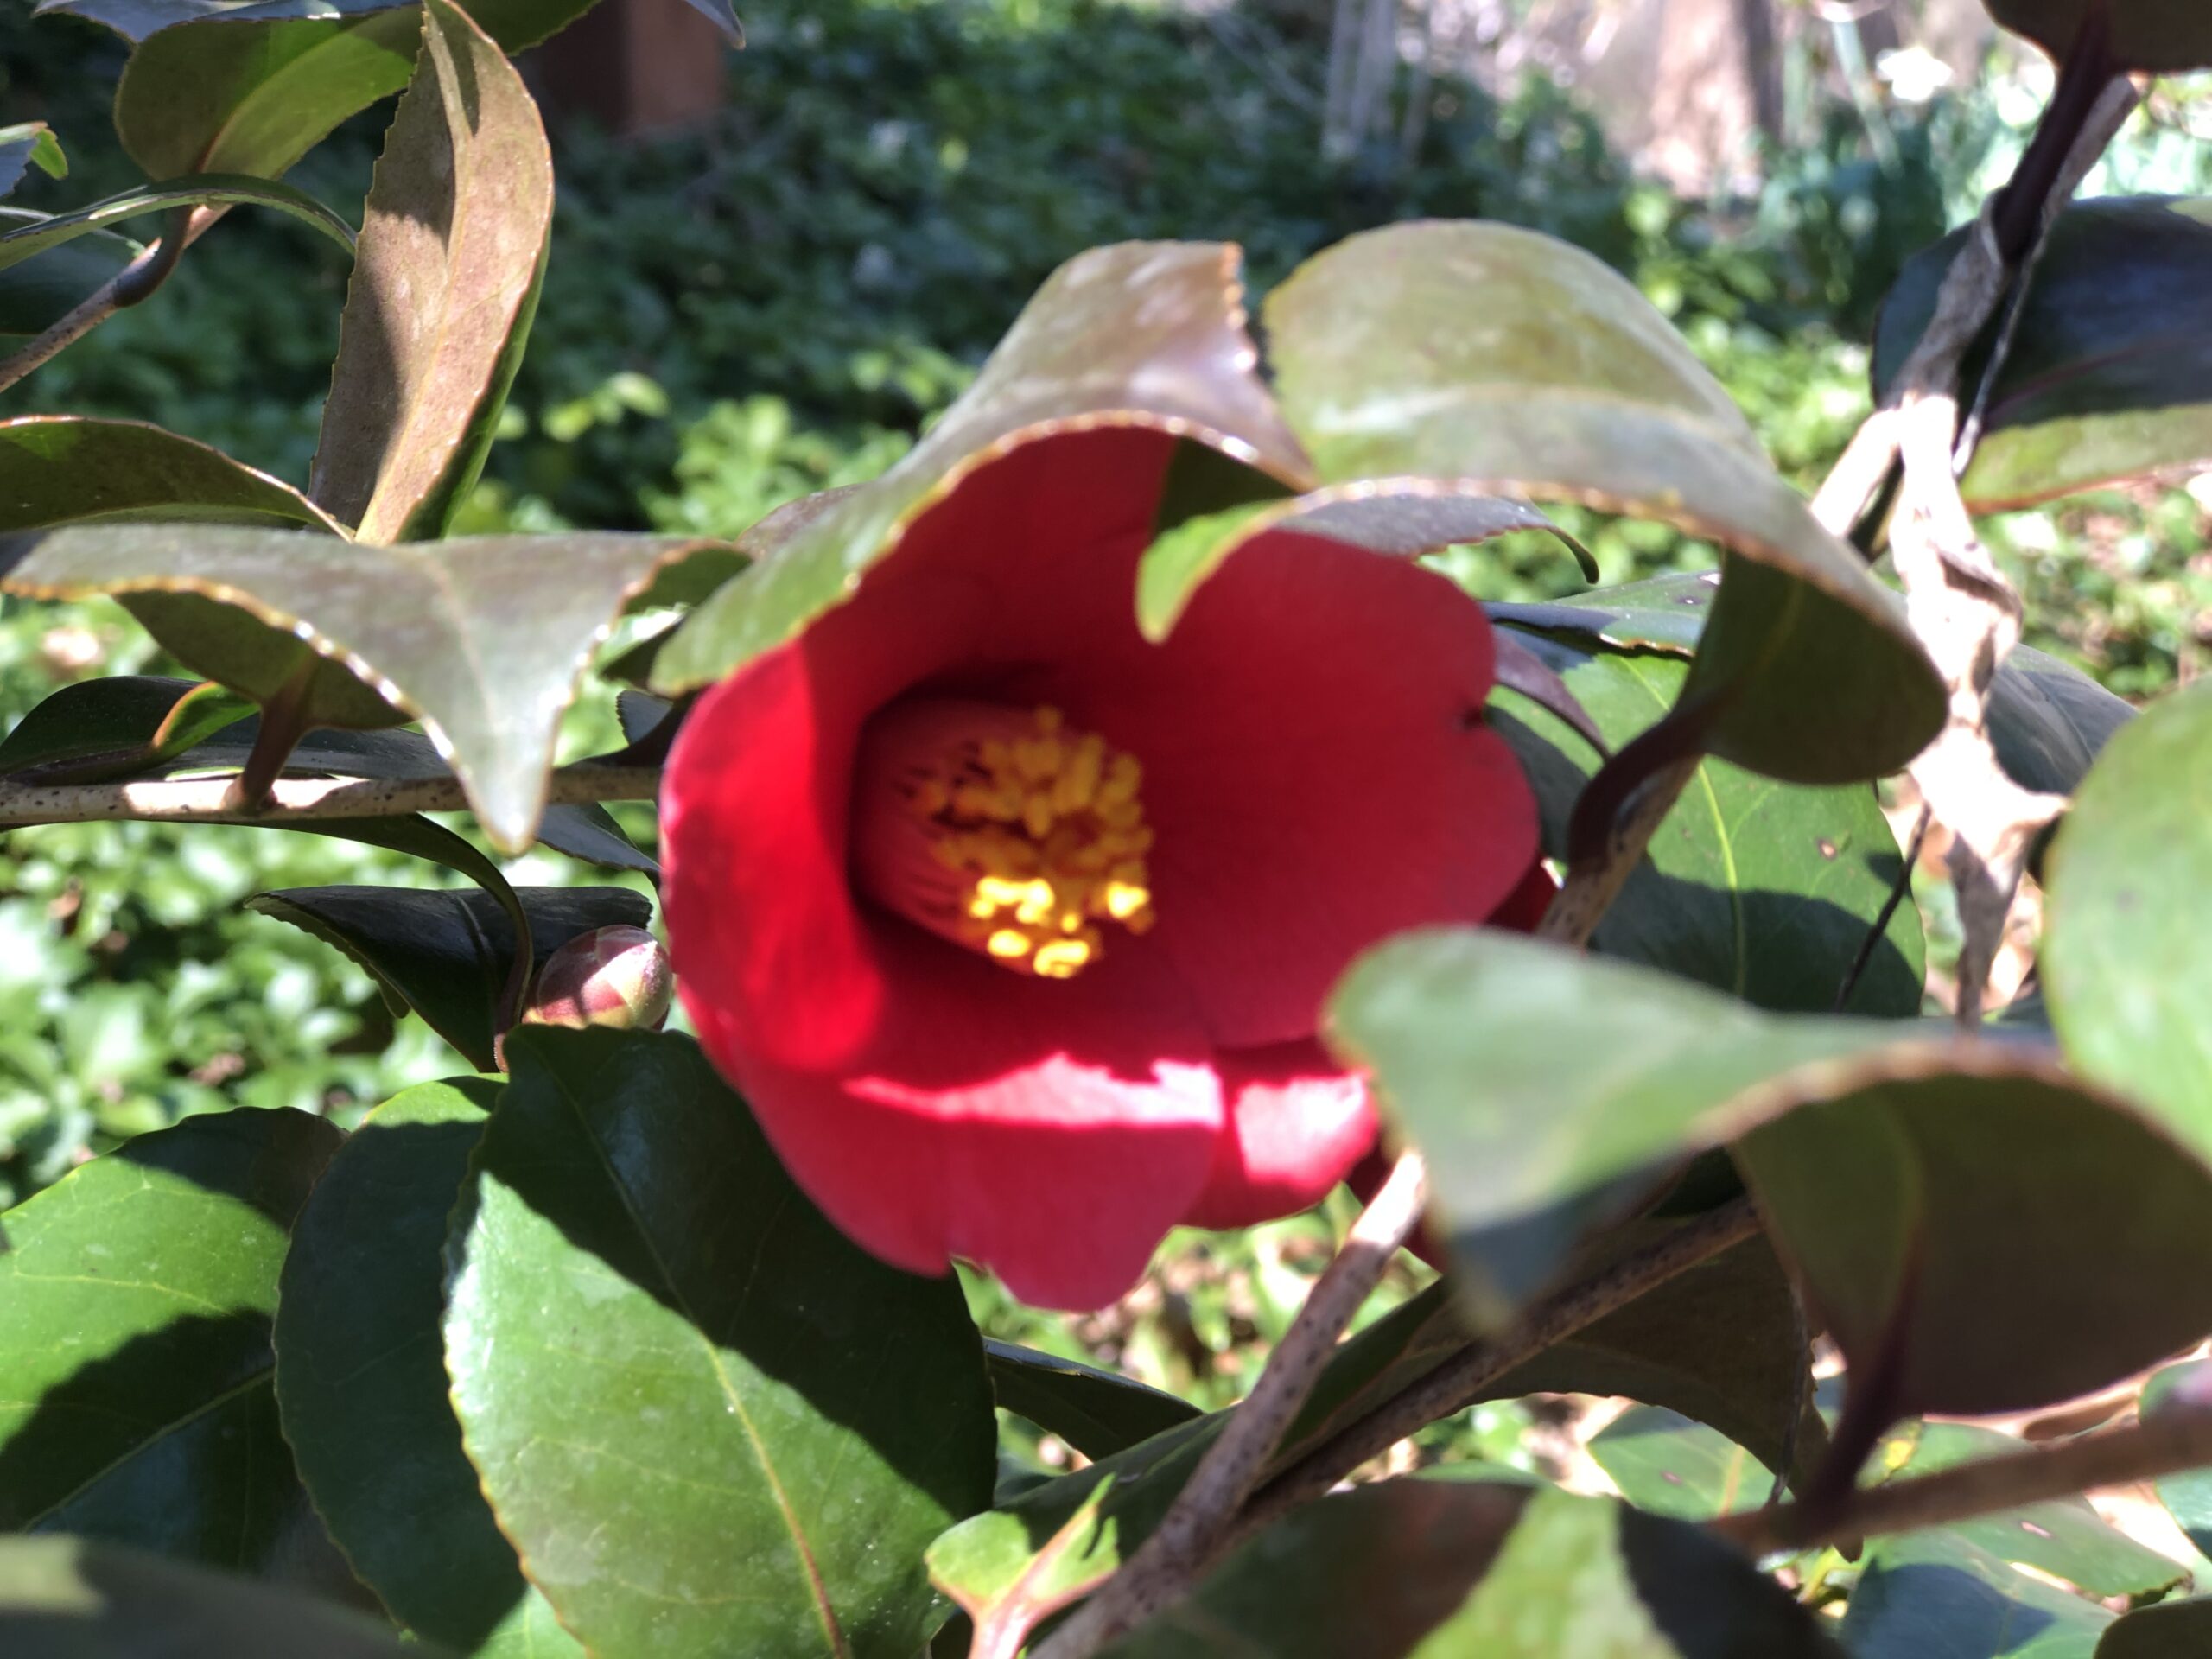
(1878, 929)
(1463, 1380)
(1189, 1533)
(1590, 888)
(216, 800)
(1960, 605)
(2162, 1444)
(134, 282)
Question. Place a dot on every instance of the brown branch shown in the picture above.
(134, 282)
(1190, 1533)
(217, 800)
(2162, 1445)
(1462, 1380)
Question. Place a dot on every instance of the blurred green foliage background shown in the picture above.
(741, 315)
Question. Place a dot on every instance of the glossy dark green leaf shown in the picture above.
(1481, 1570)
(2105, 378)
(1912, 1184)
(1143, 334)
(1934, 1595)
(1761, 889)
(2129, 901)
(2162, 35)
(25, 145)
(78, 1598)
(361, 1383)
(39, 291)
(2064, 1537)
(453, 249)
(1514, 364)
(2173, 1630)
(58, 469)
(481, 638)
(1098, 1412)
(1397, 518)
(1662, 613)
(135, 1403)
(708, 1423)
(229, 190)
(1674, 1466)
(116, 726)
(448, 955)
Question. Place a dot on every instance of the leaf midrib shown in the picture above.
(817, 1592)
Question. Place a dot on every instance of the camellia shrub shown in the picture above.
(1102, 821)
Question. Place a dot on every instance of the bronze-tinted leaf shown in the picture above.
(1147, 334)
(1515, 365)
(452, 251)
(1929, 1195)
(481, 638)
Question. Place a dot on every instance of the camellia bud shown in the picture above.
(615, 977)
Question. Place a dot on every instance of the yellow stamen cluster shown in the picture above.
(1047, 833)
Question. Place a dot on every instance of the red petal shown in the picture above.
(1297, 1123)
(1318, 774)
(1050, 1130)
(1524, 907)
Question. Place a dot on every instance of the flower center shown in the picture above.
(1002, 830)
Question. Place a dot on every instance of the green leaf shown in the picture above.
(58, 469)
(1144, 335)
(2173, 1630)
(135, 1397)
(1916, 1187)
(1721, 1340)
(2105, 380)
(2129, 882)
(1516, 364)
(361, 1382)
(1397, 518)
(1674, 1466)
(1761, 889)
(2064, 1537)
(1481, 1570)
(78, 1598)
(1098, 1412)
(118, 726)
(1934, 1595)
(227, 190)
(253, 94)
(708, 1423)
(449, 956)
(2188, 1497)
(28, 144)
(2162, 35)
(1662, 614)
(452, 251)
(482, 638)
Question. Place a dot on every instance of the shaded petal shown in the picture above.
(1297, 1123)
(1319, 775)
(1051, 1131)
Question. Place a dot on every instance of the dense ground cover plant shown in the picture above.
(1098, 820)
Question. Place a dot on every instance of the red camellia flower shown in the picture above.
(1015, 924)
